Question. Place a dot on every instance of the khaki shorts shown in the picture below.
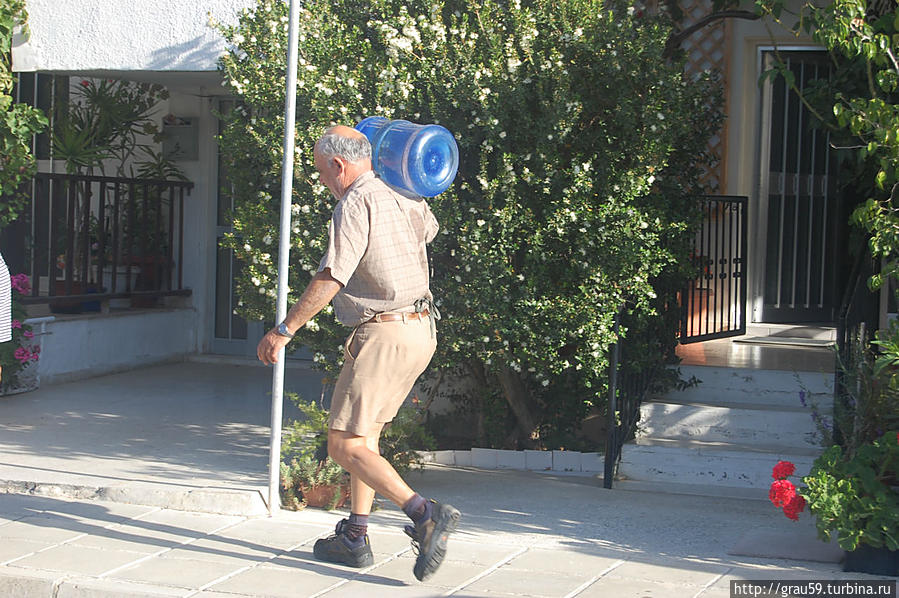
(382, 362)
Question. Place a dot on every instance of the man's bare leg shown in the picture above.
(361, 494)
(359, 456)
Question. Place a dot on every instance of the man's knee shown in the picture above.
(343, 447)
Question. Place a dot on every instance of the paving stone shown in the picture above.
(42, 529)
(562, 562)
(107, 588)
(680, 572)
(389, 543)
(182, 573)
(12, 548)
(630, 588)
(266, 581)
(271, 533)
(100, 513)
(369, 589)
(27, 583)
(77, 559)
(466, 551)
(223, 550)
(185, 523)
(526, 583)
(110, 540)
(450, 574)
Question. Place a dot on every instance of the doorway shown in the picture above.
(798, 224)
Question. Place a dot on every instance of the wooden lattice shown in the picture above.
(707, 51)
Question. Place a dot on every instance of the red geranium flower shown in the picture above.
(794, 507)
(783, 470)
(782, 492)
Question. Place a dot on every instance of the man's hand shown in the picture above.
(269, 347)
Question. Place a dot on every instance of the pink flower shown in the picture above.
(22, 354)
(781, 492)
(16, 324)
(783, 470)
(28, 334)
(21, 283)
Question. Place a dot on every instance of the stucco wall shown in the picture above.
(84, 346)
(123, 35)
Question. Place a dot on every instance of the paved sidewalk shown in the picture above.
(183, 449)
(522, 534)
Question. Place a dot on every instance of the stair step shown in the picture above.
(726, 449)
(740, 385)
(702, 464)
(726, 424)
(823, 402)
(792, 330)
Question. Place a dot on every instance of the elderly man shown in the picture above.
(376, 272)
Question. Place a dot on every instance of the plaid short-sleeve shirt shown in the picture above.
(377, 248)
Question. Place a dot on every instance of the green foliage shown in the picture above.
(403, 438)
(578, 141)
(306, 437)
(107, 120)
(18, 122)
(858, 497)
(306, 472)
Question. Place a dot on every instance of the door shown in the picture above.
(798, 221)
(232, 334)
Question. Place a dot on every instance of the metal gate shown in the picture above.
(714, 303)
(798, 211)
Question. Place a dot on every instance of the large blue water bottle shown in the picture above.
(421, 159)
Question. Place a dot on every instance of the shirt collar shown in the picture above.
(369, 174)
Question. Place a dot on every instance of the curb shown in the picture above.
(527, 460)
(246, 503)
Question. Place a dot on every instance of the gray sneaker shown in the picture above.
(429, 539)
(335, 549)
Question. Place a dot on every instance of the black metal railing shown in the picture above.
(714, 303)
(629, 384)
(857, 322)
(94, 238)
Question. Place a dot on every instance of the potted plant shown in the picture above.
(308, 476)
(19, 357)
(853, 487)
(311, 482)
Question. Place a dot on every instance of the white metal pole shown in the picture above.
(290, 102)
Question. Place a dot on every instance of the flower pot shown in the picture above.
(876, 561)
(323, 496)
(121, 283)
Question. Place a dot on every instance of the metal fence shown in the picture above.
(714, 303)
(857, 321)
(628, 386)
(95, 238)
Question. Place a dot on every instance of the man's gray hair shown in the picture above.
(350, 148)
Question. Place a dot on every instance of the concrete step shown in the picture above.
(810, 331)
(751, 427)
(725, 386)
(696, 462)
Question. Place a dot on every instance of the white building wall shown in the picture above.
(84, 346)
(123, 35)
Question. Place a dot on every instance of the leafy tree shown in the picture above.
(18, 122)
(578, 140)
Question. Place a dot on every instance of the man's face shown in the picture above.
(328, 170)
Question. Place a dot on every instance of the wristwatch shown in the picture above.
(282, 330)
